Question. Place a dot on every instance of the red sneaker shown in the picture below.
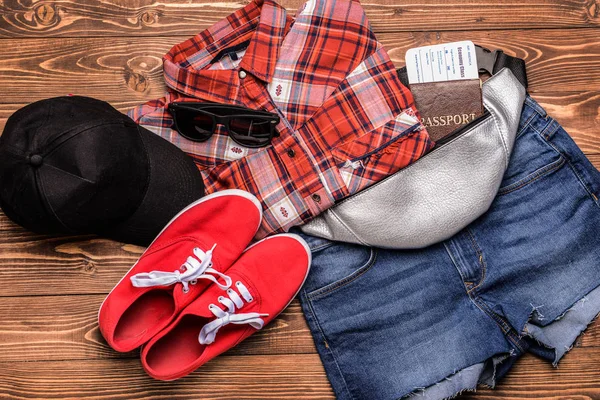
(204, 239)
(266, 278)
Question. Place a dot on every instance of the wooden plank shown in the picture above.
(122, 69)
(270, 377)
(241, 377)
(69, 265)
(556, 59)
(129, 71)
(577, 377)
(66, 265)
(77, 18)
(578, 113)
(66, 328)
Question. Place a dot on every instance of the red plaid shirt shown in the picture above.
(346, 120)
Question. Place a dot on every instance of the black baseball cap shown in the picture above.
(76, 165)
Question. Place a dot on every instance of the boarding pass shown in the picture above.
(442, 62)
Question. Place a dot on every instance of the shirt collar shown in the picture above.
(263, 23)
(263, 51)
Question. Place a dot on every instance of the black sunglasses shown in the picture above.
(247, 127)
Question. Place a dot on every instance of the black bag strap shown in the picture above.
(490, 61)
(516, 65)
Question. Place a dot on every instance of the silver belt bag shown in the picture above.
(444, 191)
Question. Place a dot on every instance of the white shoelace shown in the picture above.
(198, 267)
(209, 331)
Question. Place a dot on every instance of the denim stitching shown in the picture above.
(526, 124)
(504, 326)
(321, 247)
(536, 107)
(548, 130)
(534, 176)
(537, 112)
(328, 346)
(481, 261)
(483, 307)
(547, 134)
(584, 184)
(462, 277)
(347, 280)
(525, 127)
(579, 177)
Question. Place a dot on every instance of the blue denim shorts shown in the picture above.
(431, 323)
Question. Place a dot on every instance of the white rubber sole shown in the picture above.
(228, 192)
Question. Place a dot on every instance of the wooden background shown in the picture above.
(51, 287)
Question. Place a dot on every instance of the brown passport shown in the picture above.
(447, 106)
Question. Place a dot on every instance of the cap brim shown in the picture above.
(174, 182)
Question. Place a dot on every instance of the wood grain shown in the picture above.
(578, 113)
(127, 69)
(270, 377)
(77, 18)
(577, 377)
(242, 377)
(71, 265)
(66, 265)
(66, 328)
(52, 286)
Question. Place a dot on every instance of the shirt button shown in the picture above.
(242, 74)
(291, 153)
(316, 198)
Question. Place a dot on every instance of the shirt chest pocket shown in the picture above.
(218, 149)
(381, 152)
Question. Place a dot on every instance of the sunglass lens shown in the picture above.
(194, 125)
(252, 132)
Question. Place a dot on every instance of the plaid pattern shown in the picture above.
(346, 120)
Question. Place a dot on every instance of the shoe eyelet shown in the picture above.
(221, 298)
(194, 282)
(250, 300)
(196, 249)
(185, 290)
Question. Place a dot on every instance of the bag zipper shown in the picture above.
(401, 135)
(457, 132)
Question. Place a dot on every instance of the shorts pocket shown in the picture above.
(381, 152)
(586, 173)
(337, 266)
(532, 158)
